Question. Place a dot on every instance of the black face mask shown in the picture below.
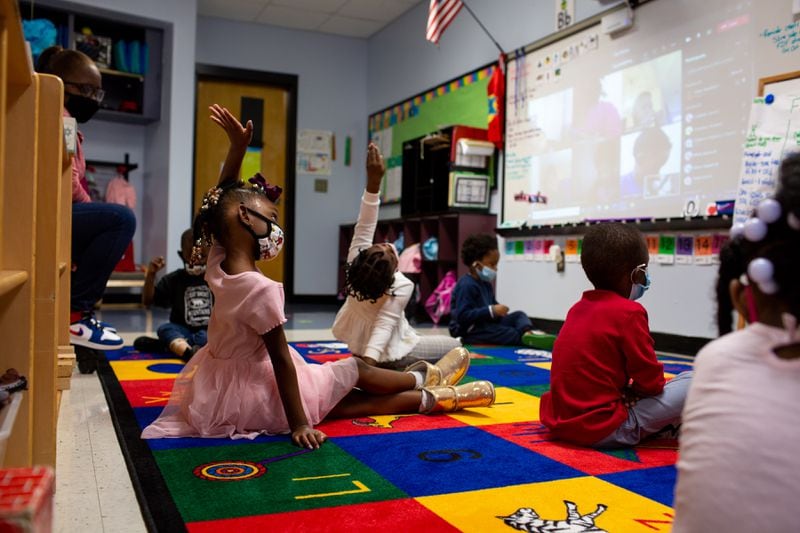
(81, 107)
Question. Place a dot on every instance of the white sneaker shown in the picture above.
(90, 333)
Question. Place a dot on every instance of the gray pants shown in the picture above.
(430, 348)
(650, 415)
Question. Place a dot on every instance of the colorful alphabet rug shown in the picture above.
(488, 469)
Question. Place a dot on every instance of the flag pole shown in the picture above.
(482, 27)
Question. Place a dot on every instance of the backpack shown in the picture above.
(438, 303)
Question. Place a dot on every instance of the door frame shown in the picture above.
(288, 82)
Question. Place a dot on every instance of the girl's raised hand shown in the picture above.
(238, 135)
(308, 437)
(375, 168)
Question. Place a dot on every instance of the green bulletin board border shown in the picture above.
(460, 101)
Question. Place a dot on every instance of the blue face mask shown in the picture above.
(637, 289)
(486, 274)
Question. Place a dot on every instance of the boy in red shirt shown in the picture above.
(607, 388)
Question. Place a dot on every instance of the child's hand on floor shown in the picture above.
(308, 437)
(156, 264)
(375, 168)
(238, 135)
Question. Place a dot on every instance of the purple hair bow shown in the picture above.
(273, 192)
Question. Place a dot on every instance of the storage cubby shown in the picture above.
(132, 86)
(35, 218)
(450, 230)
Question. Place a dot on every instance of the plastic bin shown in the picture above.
(7, 416)
(26, 499)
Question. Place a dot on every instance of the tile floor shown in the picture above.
(93, 488)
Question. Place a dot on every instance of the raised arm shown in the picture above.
(364, 232)
(239, 137)
(286, 376)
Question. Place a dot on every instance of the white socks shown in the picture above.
(419, 377)
(427, 403)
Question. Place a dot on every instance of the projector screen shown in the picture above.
(648, 124)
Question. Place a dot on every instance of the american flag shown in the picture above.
(440, 15)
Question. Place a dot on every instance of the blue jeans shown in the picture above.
(100, 235)
(170, 331)
(508, 330)
(651, 415)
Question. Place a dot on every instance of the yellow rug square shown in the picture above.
(611, 508)
(130, 370)
(510, 406)
(547, 365)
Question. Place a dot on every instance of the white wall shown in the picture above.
(168, 144)
(332, 96)
(401, 63)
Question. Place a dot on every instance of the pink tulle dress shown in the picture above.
(228, 389)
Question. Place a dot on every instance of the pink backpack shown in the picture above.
(438, 303)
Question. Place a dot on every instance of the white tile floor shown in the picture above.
(93, 488)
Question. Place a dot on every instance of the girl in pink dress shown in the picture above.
(247, 380)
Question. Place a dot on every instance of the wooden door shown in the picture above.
(211, 145)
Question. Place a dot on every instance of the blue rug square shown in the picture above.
(655, 483)
(511, 375)
(452, 460)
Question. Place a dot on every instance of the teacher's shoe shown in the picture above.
(88, 332)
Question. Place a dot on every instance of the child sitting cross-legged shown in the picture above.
(607, 388)
(476, 316)
(186, 293)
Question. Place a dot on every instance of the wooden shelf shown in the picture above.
(18, 62)
(11, 279)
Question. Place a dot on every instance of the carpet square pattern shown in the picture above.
(488, 469)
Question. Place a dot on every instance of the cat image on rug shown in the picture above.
(526, 519)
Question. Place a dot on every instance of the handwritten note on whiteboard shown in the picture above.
(773, 131)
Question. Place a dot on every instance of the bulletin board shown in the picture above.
(460, 101)
(647, 124)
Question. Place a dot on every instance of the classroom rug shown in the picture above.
(488, 469)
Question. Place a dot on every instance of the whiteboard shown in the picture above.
(646, 123)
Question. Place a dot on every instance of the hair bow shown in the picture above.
(273, 192)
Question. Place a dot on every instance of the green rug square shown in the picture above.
(252, 479)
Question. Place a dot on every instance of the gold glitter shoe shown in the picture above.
(449, 370)
(449, 398)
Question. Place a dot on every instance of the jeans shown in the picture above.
(651, 415)
(100, 235)
(508, 330)
(170, 331)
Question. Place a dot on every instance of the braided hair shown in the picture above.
(769, 243)
(209, 222)
(369, 275)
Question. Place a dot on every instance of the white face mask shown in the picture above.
(271, 245)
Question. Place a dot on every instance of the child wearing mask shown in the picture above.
(476, 316)
(186, 293)
(607, 389)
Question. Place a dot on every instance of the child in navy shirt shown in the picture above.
(187, 295)
(476, 316)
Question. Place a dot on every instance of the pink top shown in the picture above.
(80, 187)
(228, 389)
(119, 191)
(739, 469)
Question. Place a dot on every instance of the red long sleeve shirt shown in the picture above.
(604, 343)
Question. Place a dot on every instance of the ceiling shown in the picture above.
(352, 18)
